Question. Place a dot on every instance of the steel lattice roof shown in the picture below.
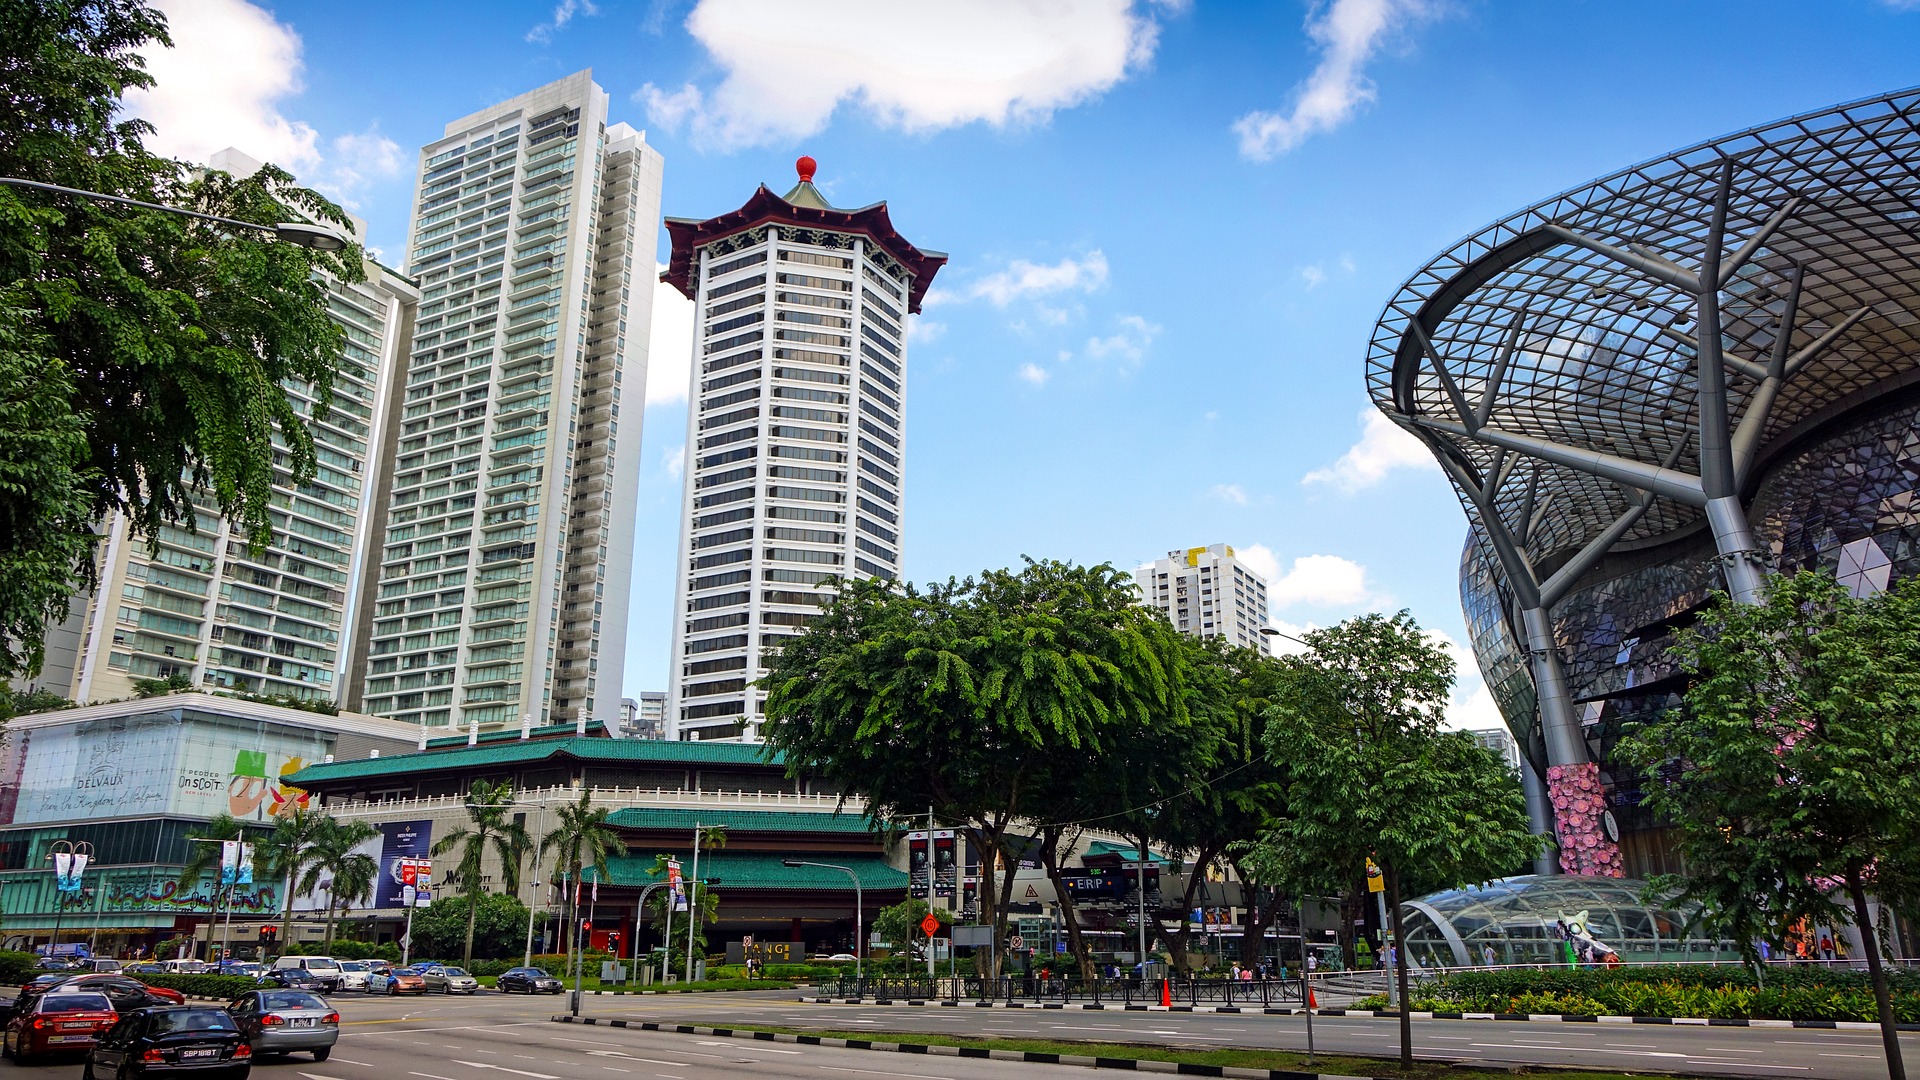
(1598, 356)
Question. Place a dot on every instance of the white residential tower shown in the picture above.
(1208, 592)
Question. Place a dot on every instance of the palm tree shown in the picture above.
(348, 874)
(204, 857)
(582, 837)
(487, 808)
(288, 852)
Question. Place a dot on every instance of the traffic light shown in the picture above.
(269, 934)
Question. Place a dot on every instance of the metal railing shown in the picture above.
(603, 796)
(1247, 993)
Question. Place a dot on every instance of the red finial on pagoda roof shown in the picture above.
(805, 167)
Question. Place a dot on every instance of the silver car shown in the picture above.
(441, 978)
(283, 1021)
(354, 976)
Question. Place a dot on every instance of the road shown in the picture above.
(492, 1037)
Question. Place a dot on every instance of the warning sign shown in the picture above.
(929, 924)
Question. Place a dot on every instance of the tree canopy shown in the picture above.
(1790, 775)
(144, 356)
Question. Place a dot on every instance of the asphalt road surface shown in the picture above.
(493, 1037)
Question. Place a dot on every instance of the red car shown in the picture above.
(126, 994)
(57, 1021)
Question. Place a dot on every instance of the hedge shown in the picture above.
(1712, 992)
(17, 968)
(1513, 981)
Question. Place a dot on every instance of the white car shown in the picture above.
(354, 975)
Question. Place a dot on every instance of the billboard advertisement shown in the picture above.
(162, 764)
(402, 843)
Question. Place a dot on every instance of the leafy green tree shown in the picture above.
(488, 825)
(1355, 732)
(580, 838)
(495, 928)
(347, 875)
(145, 355)
(899, 925)
(957, 696)
(1790, 776)
(286, 853)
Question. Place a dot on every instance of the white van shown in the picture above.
(324, 969)
(185, 967)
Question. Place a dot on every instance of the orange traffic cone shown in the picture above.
(1166, 992)
(1312, 1002)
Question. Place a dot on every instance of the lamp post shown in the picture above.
(859, 908)
(78, 854)
(317, 237)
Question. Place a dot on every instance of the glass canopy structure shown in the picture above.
(1520, 918)
(1672, 380)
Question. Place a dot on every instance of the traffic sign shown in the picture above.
(1017, 943)
(929, 924)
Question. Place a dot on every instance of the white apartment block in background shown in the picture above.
(1500, 741)
(279, 622)
(645, 717)
(795, 433)
(1207, 592)
(511, 476)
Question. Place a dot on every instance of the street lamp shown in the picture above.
(859, 908)
(317, 237)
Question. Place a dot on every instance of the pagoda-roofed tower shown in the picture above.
(795, 431)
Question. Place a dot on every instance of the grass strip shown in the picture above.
(1245, 1059)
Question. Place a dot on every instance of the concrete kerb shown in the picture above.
(1026, 1056)
(1532, 1018)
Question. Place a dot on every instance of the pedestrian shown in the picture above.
(1826, 946)
(1234, 971)
(1313, 964)
(1486, 952)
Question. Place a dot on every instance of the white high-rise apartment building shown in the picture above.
(511, 476)
(795, 434)
(1500, 741)
(199, 604)
(1208, 592)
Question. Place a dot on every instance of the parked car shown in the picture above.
(283, 1021)
(184, 967)
(447, 980)
(146, 967)
(171, 1040)
(289, 979)
(353, 976)
(126, 994)
(246, 968)
(57, 963)
(324, 968)
(378, 967)
(103, 964)
(528, 980)
(405, 981)
(57, 1021)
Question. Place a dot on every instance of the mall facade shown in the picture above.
(1678, 379)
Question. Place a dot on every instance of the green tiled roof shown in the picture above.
(1128, 852)
(746, 821)
(524, 751)
(741, 870)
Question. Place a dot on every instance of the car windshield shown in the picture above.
(75, 1003)
(456, 971)
(352, 965)
(192, 1020)
(291, 1001)
(532, 973)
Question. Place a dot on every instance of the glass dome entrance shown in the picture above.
(1520, 917)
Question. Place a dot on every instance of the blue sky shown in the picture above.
(1172, 223)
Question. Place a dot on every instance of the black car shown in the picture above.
(178, 1039)
(126, 994)
(528, 980)
(291, 979)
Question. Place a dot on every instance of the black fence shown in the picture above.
(1250, 993)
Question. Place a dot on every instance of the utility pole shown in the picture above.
(933, 891)
(693, 899)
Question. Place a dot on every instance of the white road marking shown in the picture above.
(876, 1072)
(430, 1076)
(1749, 1065)
(504, 1069)
(746, 1046)
(631, 1057)
(349, 1061)
(317, 1076)
(610, 1068)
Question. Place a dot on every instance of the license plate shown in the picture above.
(301, 1021)
(185, 1054)
(69, 1038)
(75, 1025)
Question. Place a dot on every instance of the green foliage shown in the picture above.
(15, 702)
(222, 987)
(1714, 992)
(146, 355)
(342, 949)
(582, 838)
(969, 696)
(347, 876)
(899, 924)
(1355, 732)
(289, 701)
(17, 968)
(171, 684)
(499, 928)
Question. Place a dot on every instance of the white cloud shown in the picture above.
(921, 331)
(222, 85)
(674, 461)
(1320, 581)
(1024, 280)
(1229, 493)
(563, 13)
(1130, 343)
(1383, 447)
(1035, 374)
(915, 67)
(1348, 34)
(1313, 276)
(669, 345)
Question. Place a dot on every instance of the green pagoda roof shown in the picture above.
(746, 821)
(743, 870)
(527, 751)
